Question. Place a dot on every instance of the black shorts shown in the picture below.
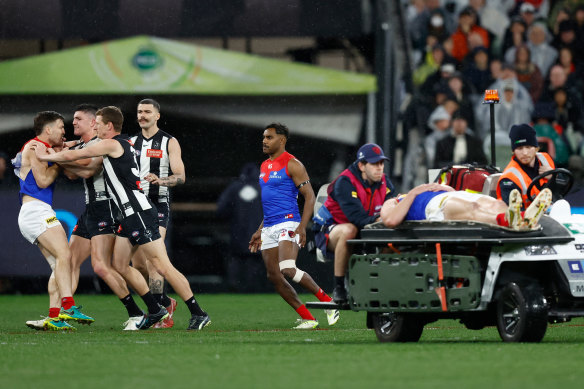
(140, 228)
(163, 214)
(97, 219)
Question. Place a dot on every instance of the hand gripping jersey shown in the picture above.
(279, 193)
(152, 157)
(123, 183)
(95, 189)
(29, 186)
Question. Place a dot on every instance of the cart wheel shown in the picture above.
(522, 313)
(396, 327)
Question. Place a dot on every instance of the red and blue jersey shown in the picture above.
(279, 193)
(29, 186)
(417, 210)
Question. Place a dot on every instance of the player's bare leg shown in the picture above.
(54, 241)
(287, 250)
(101, 251)
(80, 250)
(156, 254)
(481, 211)
(282, 286)
(123, 251)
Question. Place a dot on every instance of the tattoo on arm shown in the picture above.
(171, 181)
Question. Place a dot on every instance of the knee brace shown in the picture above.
(291, 264)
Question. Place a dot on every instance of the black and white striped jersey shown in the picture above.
(95, 189)
(153, 158)
(122, 180)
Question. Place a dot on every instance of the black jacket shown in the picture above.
(445, 151)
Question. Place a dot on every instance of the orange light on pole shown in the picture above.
(491, 96)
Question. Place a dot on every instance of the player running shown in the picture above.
(283, 231)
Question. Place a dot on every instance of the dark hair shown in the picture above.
(280, 129)
(111, 115)
(87, 108)
(151, 101)
(43, 118)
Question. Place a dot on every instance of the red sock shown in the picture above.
(54, 312)
(304, 313)
(67, 302)
(502, 220)
(322, 296)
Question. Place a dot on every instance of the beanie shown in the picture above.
(522, 135)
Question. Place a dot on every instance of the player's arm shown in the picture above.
(84, 168)
(107, 147)
(44, 175)
(255, 243)
(299, 175)
(176, 166)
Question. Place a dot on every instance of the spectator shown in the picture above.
(542, 7)
(528, 13)
(468, 34)
(432, 62)
(240, 202)
(515, 34)
(477, 70)
(558, 79)
(566, 115)
(565, 7)
(430, 16)
(566, 37)
(496, 68)
(516, 105)
(528, 73)
(459, 145)
(563, 14)
(433, 81)
(579, 21)
(573, 70)
(543, 116)
(450, 105)
(413, 9)
(461, 93)
(492, 19)
(439, 122)
(542, 54)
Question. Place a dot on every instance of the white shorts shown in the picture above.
(435, 207)
(36, 217)
(273, 235)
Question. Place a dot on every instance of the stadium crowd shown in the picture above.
(531, 51)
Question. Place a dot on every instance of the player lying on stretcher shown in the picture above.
(436, 202)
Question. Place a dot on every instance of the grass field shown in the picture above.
(249, 345)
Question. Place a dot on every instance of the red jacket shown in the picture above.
(370, 200)
(460, 41)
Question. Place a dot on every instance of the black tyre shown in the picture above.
(522, 313)
(396, 327)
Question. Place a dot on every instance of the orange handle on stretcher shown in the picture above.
(441, 290)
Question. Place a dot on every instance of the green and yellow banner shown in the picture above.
(146, 64)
